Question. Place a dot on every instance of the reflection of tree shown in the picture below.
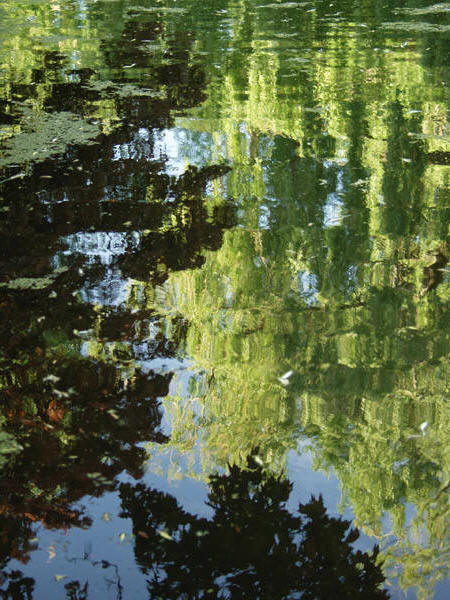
(253, 547)
(76, 442)
(75, 591)
(355, 301)
(338, 270)
(16, 533)
(16, 586)
(79, 419)
(96, 86)
(75, 400)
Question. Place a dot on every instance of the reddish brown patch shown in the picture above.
(55, 411)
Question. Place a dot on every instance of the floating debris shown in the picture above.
(424, 427)
(284, 379)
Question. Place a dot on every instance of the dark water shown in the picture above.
(224, 289)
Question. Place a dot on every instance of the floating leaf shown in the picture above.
(201, 533)
(51, 378)
(113, 414)
(284, 379)
(143, 534)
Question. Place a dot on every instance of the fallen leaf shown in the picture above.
(51, 553)
(143, 534)
(30, 516)
(52, 378)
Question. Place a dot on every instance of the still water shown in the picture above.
(224, 289)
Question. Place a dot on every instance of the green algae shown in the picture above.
(126, 90)
(33, 283)
(45, 135)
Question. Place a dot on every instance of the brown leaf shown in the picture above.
(30, 516)
(55, 411)
(143, 534)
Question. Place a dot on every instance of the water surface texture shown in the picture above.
(224, 299)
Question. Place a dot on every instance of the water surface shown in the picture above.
(224, 288)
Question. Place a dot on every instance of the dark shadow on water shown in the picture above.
(253, 547)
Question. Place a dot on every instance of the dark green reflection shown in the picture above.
(253, 547)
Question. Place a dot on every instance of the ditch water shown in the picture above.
(224, 293)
